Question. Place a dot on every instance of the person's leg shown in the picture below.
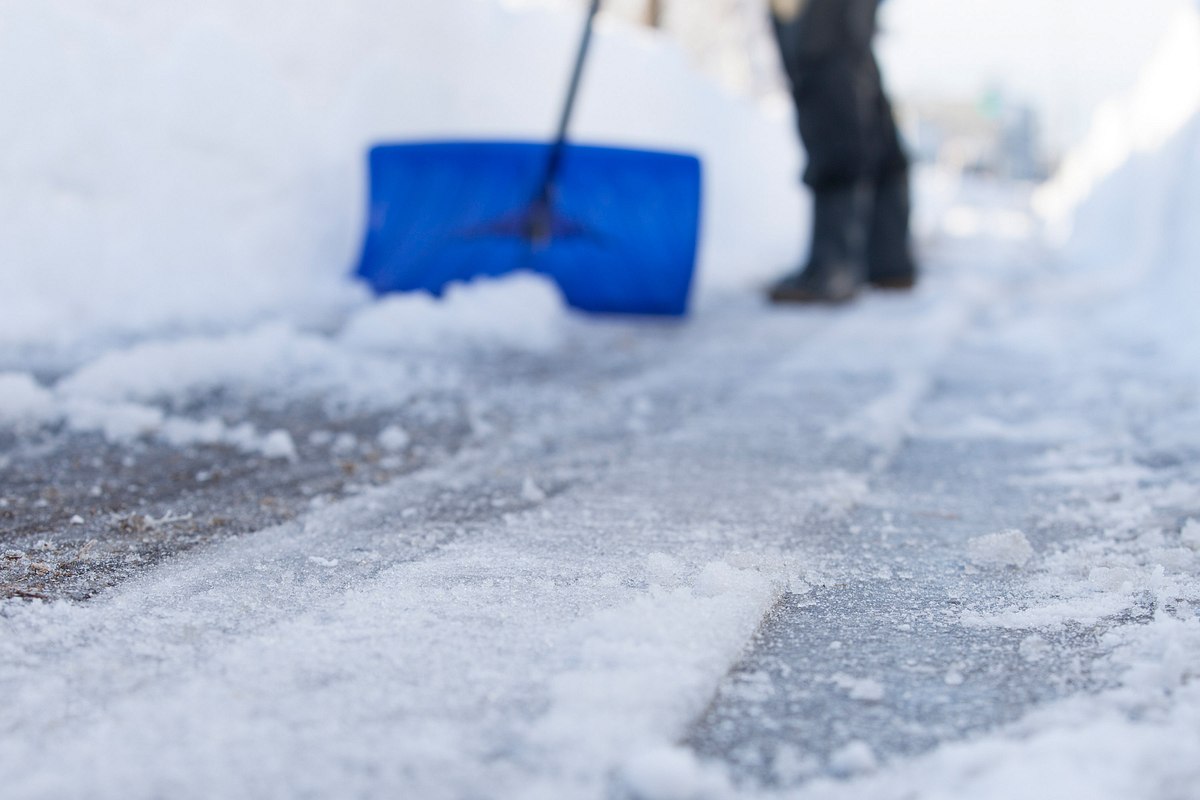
(824, 50)
(835, 269)
(890, 263)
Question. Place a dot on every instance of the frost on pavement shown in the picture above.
(286, 658)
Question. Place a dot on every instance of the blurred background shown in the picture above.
(1002, 87)
(175, 167)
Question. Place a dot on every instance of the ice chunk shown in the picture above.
(119, 422)
(855, 758)
(520, 312)
(867, 690)
(1033, 648)
(1190, 535)
(531, 492)
(716, 579)
(23, 400)
(674, 773)
(663, 569)
(791, 764)
(345, 443)
(393, 438)
(279, 444)
(1008, 548)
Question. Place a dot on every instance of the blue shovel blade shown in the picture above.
(620, 237)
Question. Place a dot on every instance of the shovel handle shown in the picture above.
(560, 139)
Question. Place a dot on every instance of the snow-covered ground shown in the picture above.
(943, 544)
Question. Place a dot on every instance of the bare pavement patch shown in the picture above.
(81, 513)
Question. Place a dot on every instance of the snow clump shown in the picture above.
(674, 773)
(279, 444)
(664, 570)
(393, 438)
(855, 758)
(22, 399)
(531, 492)
(516, 312)
(867, 690)
(1008, 548)
(1190, 535)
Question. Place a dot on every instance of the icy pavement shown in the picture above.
(940, 544)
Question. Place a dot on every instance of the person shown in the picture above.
(857, 168)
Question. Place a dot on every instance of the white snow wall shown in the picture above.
(1127, 200)
(172, 166)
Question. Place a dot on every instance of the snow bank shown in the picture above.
(379, 359)
(188, 167)
(1125, 199)
(387, 352)
(522, 312)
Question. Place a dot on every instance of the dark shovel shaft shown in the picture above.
(540, 223)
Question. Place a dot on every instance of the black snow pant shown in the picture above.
(845, 119)
(846, 124)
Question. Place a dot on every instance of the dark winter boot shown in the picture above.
(836, 266)
(890, 263)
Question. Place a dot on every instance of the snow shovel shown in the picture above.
(616, 229)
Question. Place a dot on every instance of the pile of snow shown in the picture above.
(385, 353)
(1126, 198)
(521, 312)
(184, 167)
(25, 404)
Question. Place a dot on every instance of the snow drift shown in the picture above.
(1127, 197)
(196, 167)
